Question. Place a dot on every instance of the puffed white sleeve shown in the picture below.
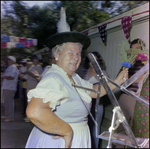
(50, 90)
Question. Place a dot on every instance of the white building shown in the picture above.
(115, 36)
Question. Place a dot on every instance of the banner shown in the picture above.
(86, 32)
(17, 42)
(103, 34)
(126, 22)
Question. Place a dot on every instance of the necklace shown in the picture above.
(71, 79)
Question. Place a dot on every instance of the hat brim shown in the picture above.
(64, 37)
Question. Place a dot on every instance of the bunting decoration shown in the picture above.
(86, 32)
(126, 22)
(17, 42)
(103, 34)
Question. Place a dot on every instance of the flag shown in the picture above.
(5, 38)
(19, 45)
(126, 22)
(86, 32)
(12, 39)
(35, 42)
(103, 34)
(21, 39)
(3, 45)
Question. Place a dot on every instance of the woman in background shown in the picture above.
(89, 74)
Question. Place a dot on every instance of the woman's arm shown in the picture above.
(37, 75)
(8, 77)
(139, 79)
(119, 80)
(41, 115)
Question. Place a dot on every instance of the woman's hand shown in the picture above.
(67, 138)
(122, 77)
(36, 75)
(41, 115)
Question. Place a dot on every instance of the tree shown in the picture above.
(14, 23)
(16, 13)
(122, 6)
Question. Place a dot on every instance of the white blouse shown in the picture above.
(52, 90)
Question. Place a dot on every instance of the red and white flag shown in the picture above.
(126, 22)
(86, 32)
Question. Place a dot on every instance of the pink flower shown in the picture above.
(140, 130)
(147, 114)
(142, 57)
(145, 129)
(139, 107)
(142, 115)
(143, 88)
(147, 97)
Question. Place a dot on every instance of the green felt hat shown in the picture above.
(71, 36)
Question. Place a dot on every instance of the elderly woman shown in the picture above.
(57, 109)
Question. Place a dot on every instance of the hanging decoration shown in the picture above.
(86, 32)
(17, 42)
(126, 22)
(102, 31)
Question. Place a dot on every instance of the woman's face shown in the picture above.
(136, 46)
(35, 61)
(9, 62)
(70, 57)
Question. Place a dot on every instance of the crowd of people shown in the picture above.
(17, 79)
(59, 111)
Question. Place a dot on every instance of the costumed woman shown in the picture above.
(56, 108)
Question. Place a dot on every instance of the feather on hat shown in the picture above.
(62, 24)
(65, 35)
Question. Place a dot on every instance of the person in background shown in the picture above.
(3, 69)
(9, 87)
(23, 77)
(90, 75)
(32, 81)
(127, 102)
(140, 124)
(51, 61)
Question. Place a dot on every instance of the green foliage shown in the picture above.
(127, 55)
(122, 6)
